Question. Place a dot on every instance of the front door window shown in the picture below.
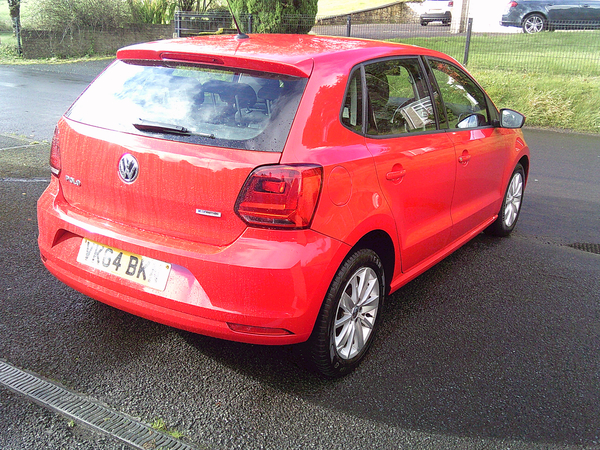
(465, 102)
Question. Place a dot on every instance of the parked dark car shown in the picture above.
(536, 15)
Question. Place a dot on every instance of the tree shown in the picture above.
(14, 9)
(197, 5)
(278, 16)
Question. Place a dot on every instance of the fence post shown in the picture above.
(349, 25)
(178, 24)
(468, 43)
(18, 35)
(249, 23)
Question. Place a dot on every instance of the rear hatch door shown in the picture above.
(167, 148)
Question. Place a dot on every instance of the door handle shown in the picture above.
(464, 158)
(396, 174)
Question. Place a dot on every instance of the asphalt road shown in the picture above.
(33, 97)
(498, 346)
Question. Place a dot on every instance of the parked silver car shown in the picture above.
(437, 11)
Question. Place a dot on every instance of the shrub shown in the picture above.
(152, 11)
(278, 16)
(202, 5)
(65, 15)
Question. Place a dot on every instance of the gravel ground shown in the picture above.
(27, 426)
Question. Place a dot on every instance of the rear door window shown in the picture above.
(398, 98)
(216, 107)
(352, 111)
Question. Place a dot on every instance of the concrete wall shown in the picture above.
(48, 44)
(396, 12)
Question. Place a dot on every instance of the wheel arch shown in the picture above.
(381, 243)
(524, 161)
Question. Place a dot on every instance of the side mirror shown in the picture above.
(471, 121)
(511, 119)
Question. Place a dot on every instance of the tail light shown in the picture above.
(280, 196)
(55, 154)
(450, 4)
(513, 4)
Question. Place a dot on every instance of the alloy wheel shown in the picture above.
(533, 24)
(512, 204)
(356, 313)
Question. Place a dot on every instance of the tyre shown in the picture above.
(349, 315)
(511, 205)
(424, 24)
(534, 24)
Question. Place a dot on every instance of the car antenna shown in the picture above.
(240, 35)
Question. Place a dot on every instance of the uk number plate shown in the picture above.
(139, 269)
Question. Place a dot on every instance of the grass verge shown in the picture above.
(548, 101)
(552, 78)
(560, 53)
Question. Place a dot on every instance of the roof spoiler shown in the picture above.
(300, 69)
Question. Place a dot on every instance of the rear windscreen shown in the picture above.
(217, 107)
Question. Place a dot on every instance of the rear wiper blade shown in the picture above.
(159, 127)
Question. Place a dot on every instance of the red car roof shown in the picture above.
(284, 53)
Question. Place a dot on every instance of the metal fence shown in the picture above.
(573, 49)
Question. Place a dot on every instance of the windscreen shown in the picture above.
(189, 103)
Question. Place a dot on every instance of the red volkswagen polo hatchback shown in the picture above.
(275, 189)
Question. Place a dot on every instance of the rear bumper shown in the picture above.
(435, 17)
(510, 23)
(512, 18)
(265, 288)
